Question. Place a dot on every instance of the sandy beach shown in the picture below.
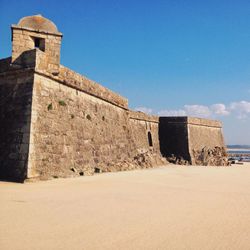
(171, 207)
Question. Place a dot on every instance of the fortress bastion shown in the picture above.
(57, 123)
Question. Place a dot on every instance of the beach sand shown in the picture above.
(171, 207)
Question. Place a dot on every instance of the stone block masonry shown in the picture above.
(74, 130)
(58, 123)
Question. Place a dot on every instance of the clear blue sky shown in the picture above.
(167, 57)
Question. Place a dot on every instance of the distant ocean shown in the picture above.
(246, 151)
(240, 154)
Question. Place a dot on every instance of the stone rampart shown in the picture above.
(74, 130)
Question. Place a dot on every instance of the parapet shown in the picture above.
(192, 121)
(80, 82)
(138, 115)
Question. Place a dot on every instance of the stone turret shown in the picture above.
(40, 34)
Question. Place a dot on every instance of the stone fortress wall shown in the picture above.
(73, 130)
(57, 123)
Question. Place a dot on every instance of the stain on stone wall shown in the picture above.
(173, 134)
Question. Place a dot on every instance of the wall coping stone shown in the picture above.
(13, 26)
(138, 115)
(192, 121)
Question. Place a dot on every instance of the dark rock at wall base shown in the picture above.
(211, 157)
(206, 157)
(140, 161)
(178, 160)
